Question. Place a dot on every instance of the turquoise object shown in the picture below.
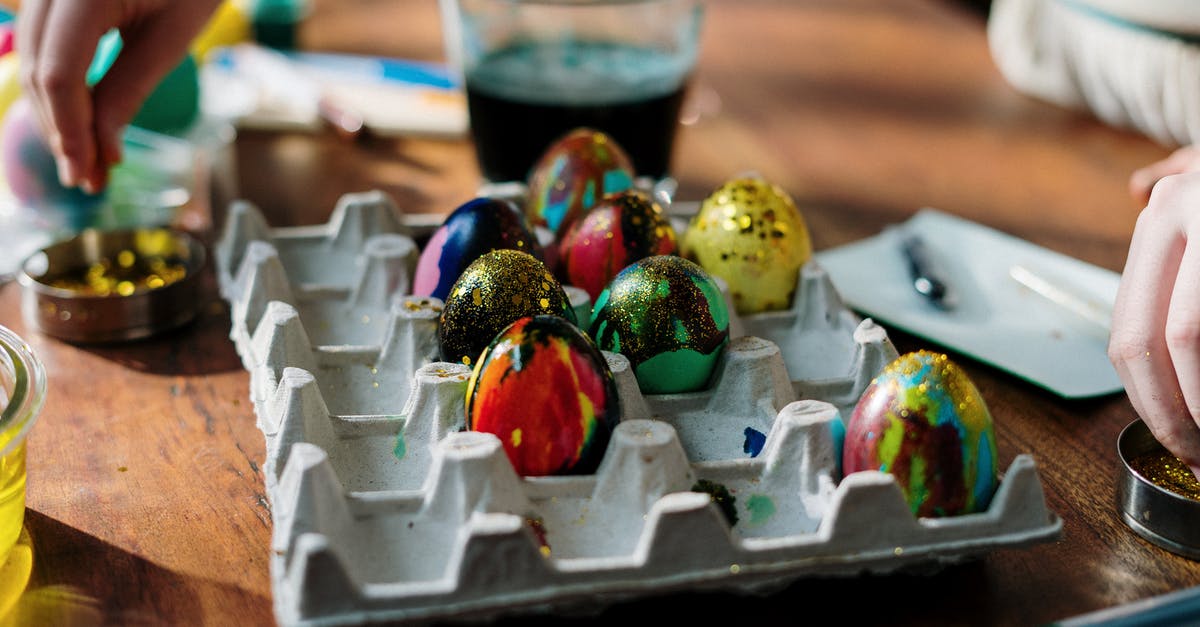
(174, 104)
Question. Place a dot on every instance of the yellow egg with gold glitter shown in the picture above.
(750, 233)
(493, 291)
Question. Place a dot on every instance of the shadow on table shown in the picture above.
(80, 580)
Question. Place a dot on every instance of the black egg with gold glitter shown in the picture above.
(496, 289)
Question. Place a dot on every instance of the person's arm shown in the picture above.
(1155, 339)
(56, 40)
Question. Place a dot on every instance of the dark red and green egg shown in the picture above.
(668, 317)
(545, 390)
(923, 421)
(620, 229)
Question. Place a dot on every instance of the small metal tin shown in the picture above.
(1158, 514)
(82, 317)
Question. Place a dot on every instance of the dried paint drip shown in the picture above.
(1167, 472)
(720, 494)
(923, 421)
(667, 316)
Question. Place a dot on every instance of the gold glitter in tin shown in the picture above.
(130, 271)
(1167, 472)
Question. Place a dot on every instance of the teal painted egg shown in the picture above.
(497, 288)
(923, 421)
(572, 175)
(667, 316)
(546, 391)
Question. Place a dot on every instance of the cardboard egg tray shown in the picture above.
(386, 509)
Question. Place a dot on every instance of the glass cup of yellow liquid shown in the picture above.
(22, 393)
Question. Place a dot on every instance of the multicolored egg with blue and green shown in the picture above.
(923, 421)
(546, 391)
(621, 229)
(572, 175)
(668, 317)
(496, 289)
(477, 226)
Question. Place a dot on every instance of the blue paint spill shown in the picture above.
(755, 440)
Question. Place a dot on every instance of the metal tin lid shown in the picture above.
(113, 285)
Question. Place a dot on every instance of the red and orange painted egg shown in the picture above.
(923, 421)
(572, 175)
(619, 230)
(546, 391)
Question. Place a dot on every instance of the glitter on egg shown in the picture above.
(489, 295)
(668, 317)
(750, 233)
(477, 226)
(545, 390)
(923, 421)
(574, 173)
(619, 230)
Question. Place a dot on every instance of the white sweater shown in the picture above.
(1133, 63)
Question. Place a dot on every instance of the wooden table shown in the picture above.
(146, 498)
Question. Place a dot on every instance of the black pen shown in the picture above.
(928, 277)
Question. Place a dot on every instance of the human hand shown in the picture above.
(1186, 159)
(1155, 340)
(56, 40)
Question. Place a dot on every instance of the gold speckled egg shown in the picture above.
(497, 288)
(750, 233)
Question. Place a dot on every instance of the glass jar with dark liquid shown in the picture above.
(536, 69)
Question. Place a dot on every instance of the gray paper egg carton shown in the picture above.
(384, 508)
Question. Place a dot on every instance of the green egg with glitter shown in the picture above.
(668, 317)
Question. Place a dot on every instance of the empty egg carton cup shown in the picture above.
(385, 508)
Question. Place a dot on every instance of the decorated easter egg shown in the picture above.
(750, 233)
(667, 316)
(923, 421)
(619, 230)
(477, 226)
(496, 289)
(546, 391)
(574, 173)
(32, 174)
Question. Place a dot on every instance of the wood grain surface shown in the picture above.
(146, 497)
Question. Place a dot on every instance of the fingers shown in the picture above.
(1142, 181)
(1183, 341)
(151, 49)
(30, 20)
(57, 84)
(1153, 344)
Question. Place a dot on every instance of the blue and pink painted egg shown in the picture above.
(476, 227)
(923, 421)
(572, 175)
(620, 229)
(32, 174)
(546, 391)
(668, 317)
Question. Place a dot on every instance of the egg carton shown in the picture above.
(385, 508)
